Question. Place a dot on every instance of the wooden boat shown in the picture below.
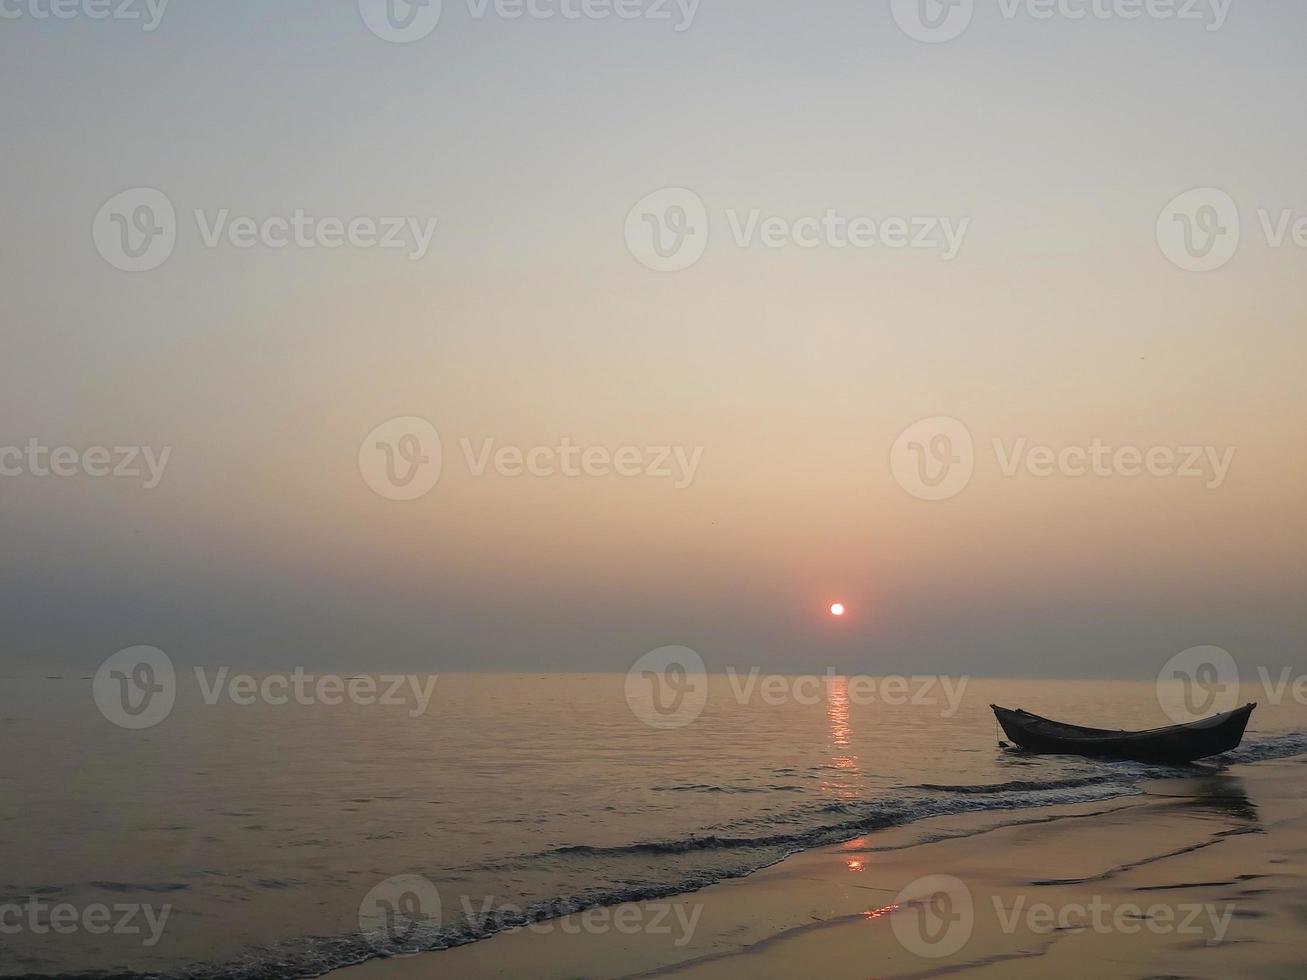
(1176, 744)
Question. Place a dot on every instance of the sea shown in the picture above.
(256, 836)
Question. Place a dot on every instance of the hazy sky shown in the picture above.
(1059, 321)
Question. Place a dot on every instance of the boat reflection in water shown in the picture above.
(1219, 794)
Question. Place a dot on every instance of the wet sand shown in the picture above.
(1202, 877)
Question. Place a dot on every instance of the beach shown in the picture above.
(527, 825)
(1197, 877)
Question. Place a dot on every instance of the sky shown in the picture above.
(1052, 147)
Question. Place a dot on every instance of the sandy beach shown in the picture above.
(1199, 877)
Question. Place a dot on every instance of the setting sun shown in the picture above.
(837, 609)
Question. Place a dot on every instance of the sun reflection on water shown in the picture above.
(845, 773)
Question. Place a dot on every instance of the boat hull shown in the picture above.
(1176, 744)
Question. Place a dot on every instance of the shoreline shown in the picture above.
(1204, 871)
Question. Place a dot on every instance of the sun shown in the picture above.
(837, 609)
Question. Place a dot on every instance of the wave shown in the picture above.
(1268, 748)
(720, 856)
(706, 788)
(867, 816)
(1021, 785)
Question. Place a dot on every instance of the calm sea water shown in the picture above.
(263, 827)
